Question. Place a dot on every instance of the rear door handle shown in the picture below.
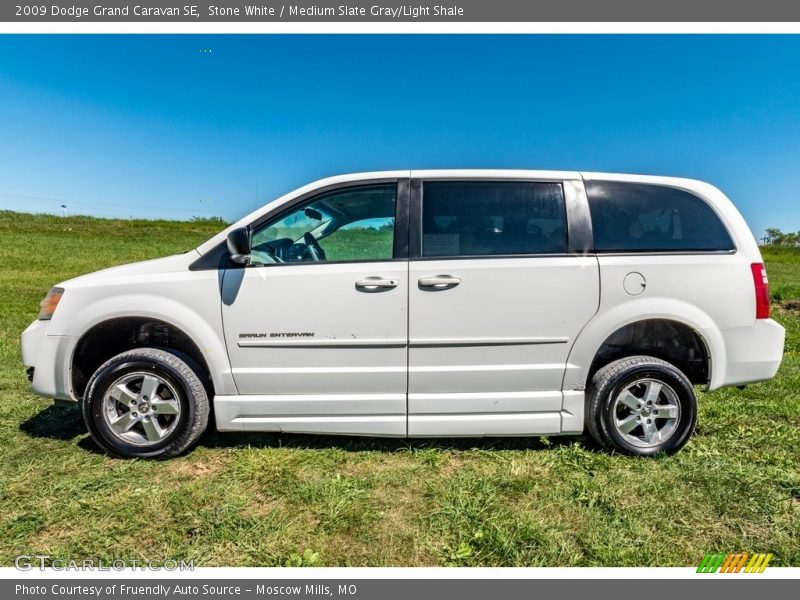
(376, 283)
(439, 281)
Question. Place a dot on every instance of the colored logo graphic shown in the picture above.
(738, 562)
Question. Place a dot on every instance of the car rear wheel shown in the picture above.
(641, 405)
(146, 403)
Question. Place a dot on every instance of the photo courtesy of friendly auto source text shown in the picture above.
(426, 299)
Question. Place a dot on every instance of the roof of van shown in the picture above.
(506, 174)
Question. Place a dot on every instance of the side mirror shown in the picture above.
(239, 246)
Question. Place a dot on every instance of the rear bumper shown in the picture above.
(46, 358)
(752, 354)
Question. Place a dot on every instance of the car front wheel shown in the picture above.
(146, 403)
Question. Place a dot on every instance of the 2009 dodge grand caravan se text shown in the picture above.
(424, 303)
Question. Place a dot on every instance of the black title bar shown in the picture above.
(467, 11)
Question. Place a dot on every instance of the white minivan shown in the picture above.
(421, 304)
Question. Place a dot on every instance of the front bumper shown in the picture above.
(46, 358)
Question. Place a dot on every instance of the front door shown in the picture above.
(496, 300)
(317, 326)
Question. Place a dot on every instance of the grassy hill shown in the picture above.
(266, 499)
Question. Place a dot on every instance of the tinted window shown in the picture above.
(476, 218)
(635, 217)
(347, 225)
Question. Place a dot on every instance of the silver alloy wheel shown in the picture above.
(646, 412)
(141, 408)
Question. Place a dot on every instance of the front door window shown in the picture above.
(355, 224)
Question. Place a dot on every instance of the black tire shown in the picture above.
(183, 381)
(606, 412)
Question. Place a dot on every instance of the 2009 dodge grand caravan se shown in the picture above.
(424, 303)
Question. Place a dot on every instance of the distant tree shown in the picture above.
(771, 236)
(219, 221)
(775, 237)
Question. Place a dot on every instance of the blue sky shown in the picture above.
(177, 126)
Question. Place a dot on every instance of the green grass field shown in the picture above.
(245, 500)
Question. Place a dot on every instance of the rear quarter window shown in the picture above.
(637, 217)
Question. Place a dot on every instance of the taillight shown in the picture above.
(762, 290)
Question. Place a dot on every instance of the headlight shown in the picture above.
(48, 305)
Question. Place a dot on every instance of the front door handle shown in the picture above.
(439, 282)
(371, 284)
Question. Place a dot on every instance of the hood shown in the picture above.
(144, 268)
